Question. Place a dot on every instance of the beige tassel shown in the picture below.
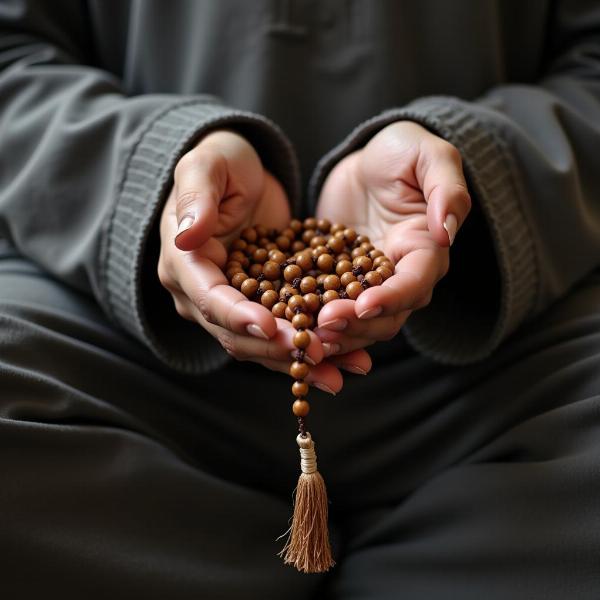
(307, 547)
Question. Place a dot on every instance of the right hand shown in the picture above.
(220, 188)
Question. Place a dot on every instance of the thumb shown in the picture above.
(200, 184)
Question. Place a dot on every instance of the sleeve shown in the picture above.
(85, 170)
(530, 155)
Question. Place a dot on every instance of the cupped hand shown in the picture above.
(405, 190)
(220, 189)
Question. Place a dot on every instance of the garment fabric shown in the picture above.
(139, 459)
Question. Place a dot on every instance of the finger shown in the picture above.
(200, 183)
(357, 362)
(379, 329)
(440, 175)
(217, 302)
(410, 288)
(324, 376)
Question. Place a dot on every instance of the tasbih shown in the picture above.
(294, 273)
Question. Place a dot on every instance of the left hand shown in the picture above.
(406, 190)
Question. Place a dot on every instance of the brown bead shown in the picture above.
(286, 291)
(336, 227)
(361, 239)
(385, 272)
(250, 235)
(305, 261)
(289, 313)
(302, 321)
(283, 242)
(319, 250)
(271, 246)
(308, 235)
(367, 247)
(308, 284)
(239, 244)
(312, 302)
(347, 278)
(289, 233)
(325, 263)
(343, 256)
(301, 340)
(300, 389)
(321, 278)
(343, 266)
(363, 262)
(318, 240)
(269, 298)
(278, 310)
(251, 249)
(310, 223)
(238, 279)
(357, 252)
(249, 287)
(277, 255)
(232, 263)
(232, 271)
(350, 235)
(296, 302)
(373, 278)
(240, 257)
(291, 272)
(261, 231)
(271, 270)
(298, 246)
(263, 241)
(255, 270)
(324, 225)
(265, 285)
(296, 225)
(260, 255)
(331, 282)
(300, 408)
(354, 290)
(375, 254)
(299, 370)
(336, 244)
(330, 295)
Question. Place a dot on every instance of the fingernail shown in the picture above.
(370, 312)
(330, 348)
(324, 388)
(336, 324)
(256, 331)
(186, 223)
(451, 225)
(354, 369)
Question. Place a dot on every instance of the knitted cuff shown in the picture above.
(131, 293)
(492, 284)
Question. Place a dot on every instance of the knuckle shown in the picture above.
(423, 301)
(182, 310)
(164, 275)
(202, 303)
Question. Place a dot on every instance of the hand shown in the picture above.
(220, 188)
(406, 190)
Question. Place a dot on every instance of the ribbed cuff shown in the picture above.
(129, 254)
(468, 316)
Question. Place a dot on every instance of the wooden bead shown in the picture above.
(300, 408)
(298, 246)
(250, 235)
(296, 225)
(249, 287)
(283, 242)
(232, 271)
(325, 263)
(347, 278)
(269, 298)
(354, 290)
(299, 370)
(271, 246)
(319, 250)
(305, 262)
(255, 270)
(350, 235)
(300, 389)
(289, 233)
(336, 227)
(357, 252)
(296, 303)
(289, 313)
(310, 223)
(375, 254)
(317, 241)
(239, 244)
(367, 247)
(261, 231)
(308, 235)
(239, 256)
(364, 263)
(302, 321)
(265, 285)
(308, 284)
(324, 225)
(361, 239)
(291, 272)
(336, 244)
(251, 249)
(271, 270)
(278, 310)
(373, 278)
(277, 256)
(312, 302)
(343, 266)
(286, 292)
(330, 295)
(238, 279)
(385, 272)
(301, 340)
(260, 255)
(321, 278)
(331, 282)
(343, 256)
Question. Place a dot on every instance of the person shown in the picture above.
(139, 138)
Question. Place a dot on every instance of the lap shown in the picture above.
(441, 480)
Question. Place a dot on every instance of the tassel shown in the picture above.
(307, 547)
